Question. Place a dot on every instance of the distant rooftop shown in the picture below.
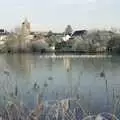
(3, 32)
(79, 32)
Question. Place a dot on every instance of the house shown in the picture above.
(101, 49)
(3, 36)
(29, 38)
(79, 33)
(76, 34)
(52, 48)
(66, 38)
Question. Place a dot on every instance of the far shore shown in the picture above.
(60, 53)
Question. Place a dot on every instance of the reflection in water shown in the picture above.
(102, 74)
(95, 81)
(67, 64)
(107, 93)
(21, 63)
(68, 67)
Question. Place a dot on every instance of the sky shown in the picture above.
(54, 15)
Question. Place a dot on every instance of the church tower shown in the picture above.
(25, 28)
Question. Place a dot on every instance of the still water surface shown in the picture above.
(61, 78)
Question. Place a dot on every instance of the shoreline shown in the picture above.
(42, 51)
(75, 56)
(63, 54)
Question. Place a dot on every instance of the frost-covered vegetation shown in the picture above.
(92, 41)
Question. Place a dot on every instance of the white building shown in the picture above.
(52, 48)
(66, 38)
(29, 38)
(3, 36)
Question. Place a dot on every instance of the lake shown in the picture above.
(96, 80)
